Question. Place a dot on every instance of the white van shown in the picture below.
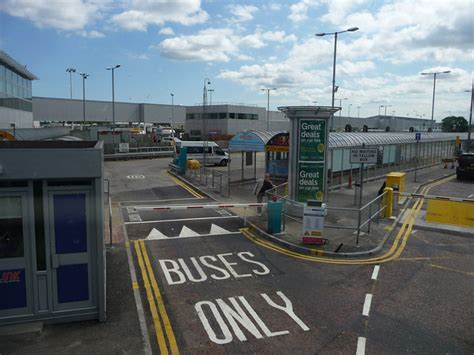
(214, 154)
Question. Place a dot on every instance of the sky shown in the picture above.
(242, 47)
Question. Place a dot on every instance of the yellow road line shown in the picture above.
(186, 187)
(159, 300)
(151, 301)
(453, 270)
(394, 252)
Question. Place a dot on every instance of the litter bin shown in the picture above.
(274, 210)
(396, 180)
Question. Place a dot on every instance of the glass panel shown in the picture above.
(3, 72)
(73, 283)
(70, 223)
(11, 228)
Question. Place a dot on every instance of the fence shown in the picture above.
(141, 153)
(216, 181)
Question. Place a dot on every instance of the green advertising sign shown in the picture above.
(310, 181)
(312, 140)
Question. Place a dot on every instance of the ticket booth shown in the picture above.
(52, 260)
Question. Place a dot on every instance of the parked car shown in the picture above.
(465, 166)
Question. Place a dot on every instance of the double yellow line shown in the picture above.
(186, 187)
(159, 315)
(393, 253)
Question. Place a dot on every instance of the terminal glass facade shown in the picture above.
(15, 90)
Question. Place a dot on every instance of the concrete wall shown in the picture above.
(22, 119)
(54, 109)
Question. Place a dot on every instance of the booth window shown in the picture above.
(231, 115)
(11, 228)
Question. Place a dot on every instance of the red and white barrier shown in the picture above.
(186, 207)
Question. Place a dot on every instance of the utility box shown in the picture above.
(274, 209)
(396, 180)
(52, 257)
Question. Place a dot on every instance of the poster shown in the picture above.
(312, 137)
(310, 181)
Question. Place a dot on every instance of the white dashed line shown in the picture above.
(375, 273)
(360, 346)
(368, 301)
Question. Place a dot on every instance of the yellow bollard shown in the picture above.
(388, 202)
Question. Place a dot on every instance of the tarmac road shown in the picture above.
(223, 293)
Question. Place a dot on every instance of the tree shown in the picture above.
(454, 124)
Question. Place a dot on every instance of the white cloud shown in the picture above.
(218, 44)
(273, 6)
(242, 13)
(138, 56)
(140, 14)
(67, 16)
(166, 31)
(91, 34)
(299, 10)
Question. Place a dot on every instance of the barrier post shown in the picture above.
(212, 181)
(388, 202)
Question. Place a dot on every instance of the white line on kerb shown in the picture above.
(360, 346)
(375, 273)
(368, 301)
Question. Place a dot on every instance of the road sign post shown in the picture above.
(417, 138)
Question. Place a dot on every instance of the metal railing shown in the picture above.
(109, 202)
(364, 216)
(215, 180)
(141, 152)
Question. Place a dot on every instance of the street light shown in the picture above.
(380, 106)
(340, 111)
(172, 113)
(84, 77)
(349, 110)
(210, 91)
(268, 105)
(385, 114)
(113, 103)
(358, 111)
(434, 88)
(207, 81)
(352, 29)
(70, 71)
(470, 117)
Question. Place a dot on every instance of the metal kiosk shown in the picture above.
(52, 257)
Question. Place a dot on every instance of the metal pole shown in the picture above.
(268, 109)
(416, 158)
(84, 99)
(470, 117)
(361, 181)
(433, 101)
(113, 108)
(333, 79)
(70, 82)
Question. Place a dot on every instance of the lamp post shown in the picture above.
(470, 117)
(349, 110)
(358, 111)
(352, 29)
(207, 81)
(268, 106)
(172, 113)
(380, 106)
(84, 77)
(113, 102)
(434, 88)
(385, 114)
(340, 111)
(70, 71)
(210, 91)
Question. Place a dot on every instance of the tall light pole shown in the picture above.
(172, 113)
(380, 106)
(358, 111)
(210, 91)
(70, 71)
(84, 77)
(340, 111)
(268, 105)
(113, 102)
(352, 29)
(349, 110)
(470, 117)
(207, 81)
(385, 114)
(434, 89)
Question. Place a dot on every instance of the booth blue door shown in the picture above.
(14, 255)
(70, 254)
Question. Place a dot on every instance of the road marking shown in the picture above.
(185, 186)
(215, 229)
(156, 234)
(453, 270)
(375, 273)
(163, 200)
(361, 346)
(135, 177)
(151, 302)
(135, 284)
(188, 232)
(182, 219)
(159, 300)
(367, 302)
(195, 236)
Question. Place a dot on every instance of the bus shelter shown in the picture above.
(249, 143)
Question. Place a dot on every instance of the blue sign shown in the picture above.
(418, 136)
(12, 289)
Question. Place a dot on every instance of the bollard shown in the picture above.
(388, 200)
(274, 210)
(349, 183)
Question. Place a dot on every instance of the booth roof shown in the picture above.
(251, 141)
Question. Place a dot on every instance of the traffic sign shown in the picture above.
(363, 156)
(418, 136)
